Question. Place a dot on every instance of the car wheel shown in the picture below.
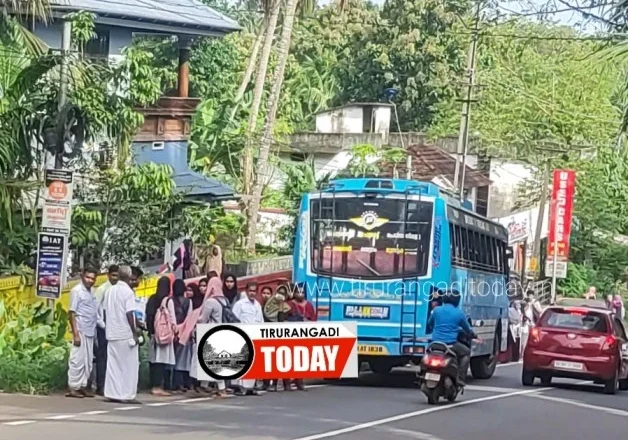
(527, 378)
(623, 384)
(546, 380)
(610, 386)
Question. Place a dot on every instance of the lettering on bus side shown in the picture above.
(437, 236)
(303, 242)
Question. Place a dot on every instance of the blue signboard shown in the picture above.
(50, 265)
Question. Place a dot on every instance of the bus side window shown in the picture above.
(500, 257)
(484, 251)
(464, 235)
(506, 268)
(476, 248)
(452, 242)
(491, 253)
(459, 253)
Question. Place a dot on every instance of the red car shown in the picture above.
(577, 343)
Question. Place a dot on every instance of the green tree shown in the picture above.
(125, 215)
(415, 47)
(538, 94)
(598, 244)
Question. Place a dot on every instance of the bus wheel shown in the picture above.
(483, 367)
(379, 367)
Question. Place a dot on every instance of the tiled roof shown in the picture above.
(187, 16)
(429, 162)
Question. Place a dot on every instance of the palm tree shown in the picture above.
(268, 31)
(12, 11)
(283, 50)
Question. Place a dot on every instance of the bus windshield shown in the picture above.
(361, 237)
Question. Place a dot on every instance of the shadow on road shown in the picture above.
(397, 378)
(588, 387)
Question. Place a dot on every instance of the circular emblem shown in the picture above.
(58, 190)
(225, 352)
(369, 218)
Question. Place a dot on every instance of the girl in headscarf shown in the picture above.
(198, 293)
(159, 356)
(202, 285)
(211, 313)
(213, 261)
(182, 352)
(230, 288)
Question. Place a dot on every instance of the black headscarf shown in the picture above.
(230, 294)
(197, 298)
(181, 303)
(153, 303)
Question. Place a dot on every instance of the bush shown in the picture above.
(33, 349)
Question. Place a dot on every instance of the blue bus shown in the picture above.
(378, 251)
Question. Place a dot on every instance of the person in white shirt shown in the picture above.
(249, 311)
(122, 340)
(100, 345)
(83, 317)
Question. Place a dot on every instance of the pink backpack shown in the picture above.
(164, 334)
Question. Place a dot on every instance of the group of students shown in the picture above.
(108, 325)
(213, 300)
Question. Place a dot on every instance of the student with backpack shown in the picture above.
(161, 325)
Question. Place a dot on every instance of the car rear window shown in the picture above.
(576, 320)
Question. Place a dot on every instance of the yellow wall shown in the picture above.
(12, 292)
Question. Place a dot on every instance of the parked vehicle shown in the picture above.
(577, 343)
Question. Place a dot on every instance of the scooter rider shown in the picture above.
(447, 321)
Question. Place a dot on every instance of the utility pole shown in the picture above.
(541, 215)
(66, 45)
(465, 115)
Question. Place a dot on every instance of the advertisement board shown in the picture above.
(561, 213)
(58, 192)
(50, 265)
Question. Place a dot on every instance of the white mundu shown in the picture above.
(122, 358)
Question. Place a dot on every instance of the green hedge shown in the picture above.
(34, 352)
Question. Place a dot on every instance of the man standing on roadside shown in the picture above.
(83, 318)
(249, 311)
(100, 350)
(122, 340)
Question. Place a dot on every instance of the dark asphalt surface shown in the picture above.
(371, 408)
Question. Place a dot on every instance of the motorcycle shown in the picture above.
(438, 373)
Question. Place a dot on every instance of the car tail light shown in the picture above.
(535, 336)
(579, 312)
(610, 344)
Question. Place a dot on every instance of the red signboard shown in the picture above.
(561, 210)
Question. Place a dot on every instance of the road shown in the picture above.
(371, 408)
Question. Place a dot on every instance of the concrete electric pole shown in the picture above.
(465, 115)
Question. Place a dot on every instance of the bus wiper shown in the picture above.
(369, 267)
